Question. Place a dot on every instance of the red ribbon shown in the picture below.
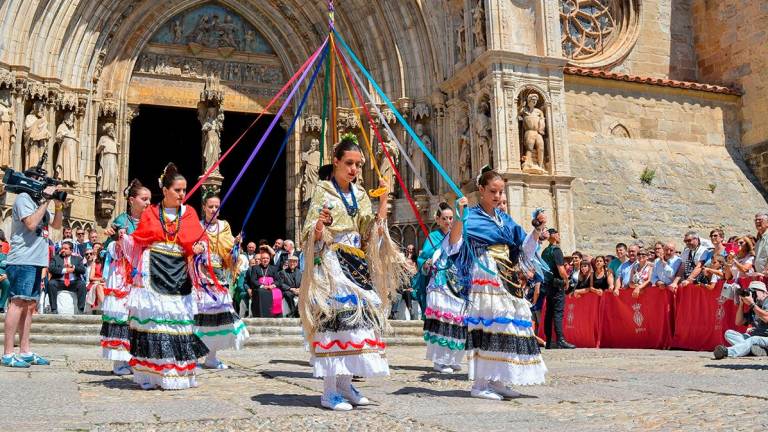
(161, 368)
(345, 345)
(115, 344)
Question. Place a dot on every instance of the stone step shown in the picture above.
(253, 341)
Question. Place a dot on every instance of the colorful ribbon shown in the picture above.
(399, 116)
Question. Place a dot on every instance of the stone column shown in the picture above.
(564, 215)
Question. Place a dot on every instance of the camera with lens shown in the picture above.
(33, 181)
(746, 292)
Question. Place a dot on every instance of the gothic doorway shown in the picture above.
(160, 135)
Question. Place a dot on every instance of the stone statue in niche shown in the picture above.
(177, 31)
(461, 38)
(213, 122)
(106, 151)
(227, 33)
(465, 151)
(36, 134)
(200, 34)
(66, 161)
(250, 39)
(483, 134)
(533, 126)
(7, 128)
(418, 157)
(478, 24)
(384, 165)
(310, 164)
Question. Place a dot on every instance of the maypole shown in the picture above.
(331, 29)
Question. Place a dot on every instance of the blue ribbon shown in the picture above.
(487, 322)
(287, 136)
(400, 117)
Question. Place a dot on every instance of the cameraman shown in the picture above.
(755, 300)
(26, 261)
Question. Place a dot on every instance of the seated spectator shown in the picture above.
(239, 293)
(583, 280)
(265, 247)
(753, 310)
(666, 266)
(601, 279)
(289, 281)
(714, 272)
(66, 274)
(640, 276)
(692, 264)
(739, 264)
(261, 280)
(288, 250)
(624, 271)
(95, 283)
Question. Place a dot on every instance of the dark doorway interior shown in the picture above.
(160, 135)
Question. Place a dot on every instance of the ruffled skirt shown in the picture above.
(115, 338)
(217, 324)
(163, 344)
(500, 341)
(347, 344)
(444, 330)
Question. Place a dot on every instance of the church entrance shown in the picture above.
(160, 135)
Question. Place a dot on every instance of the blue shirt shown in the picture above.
(624, 272)
(665, 272)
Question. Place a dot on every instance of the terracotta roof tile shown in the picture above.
(597, 73)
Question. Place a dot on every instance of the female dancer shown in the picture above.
(115, 340)
(352, 267)
(161, 305)
(501, 343)
(216, 322)
(444, 329)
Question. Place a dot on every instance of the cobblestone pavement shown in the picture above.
(273, 389)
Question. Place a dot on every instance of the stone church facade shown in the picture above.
(622, 118)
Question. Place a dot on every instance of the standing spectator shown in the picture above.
(740, 263)
(4, 284)
(555, 286)
(717, 237)
(250, 252)
(640, 276)
(288, 251)
(5, 247)
(692, 261)
(666, 266)
(613, 266)
(583, 279)
(601, 278)
(624, 271)
(289, 281)
(761, 246)
(81, 243)
(277, 256)
(239, 293)
(714, 271)
(67, 272)
(26, 260)
(576, 259)
(66, 234)
(261, 279)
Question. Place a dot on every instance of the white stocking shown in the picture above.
(211, 359)
(480, 384)
(329, 385)
(344, 382)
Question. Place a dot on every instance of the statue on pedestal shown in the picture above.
(484, 132)
(465, 151)
(213, 122)
(36, 134)
(66, 162)
(461, 38)
(417, 156)
(478, 24)
(386, 168)
(7, 128)
(106, 151)
(310, 164)
(533, 125)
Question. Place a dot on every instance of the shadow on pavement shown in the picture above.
(285, 374)
(738, 366)
(96, 372)
(446, 393)
(412, 368)
(287, 400)
(290, 362)
(432, 376)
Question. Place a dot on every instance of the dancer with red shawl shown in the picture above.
(161, 305)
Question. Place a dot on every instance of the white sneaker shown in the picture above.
(501, 389)
(355, 397)
(442, 368)
(335, 402)
(456, 367)
(147, 386)
(220, 365)
(485, 394)
(122, 370)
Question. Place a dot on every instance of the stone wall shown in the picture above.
(732, 46)
(664, 47)
(616, 130)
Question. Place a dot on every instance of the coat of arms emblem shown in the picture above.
(638, 316)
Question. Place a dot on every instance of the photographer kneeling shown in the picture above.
(756, 340)
(26, 261)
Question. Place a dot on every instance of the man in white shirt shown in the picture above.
(666, 267)
(761, 247)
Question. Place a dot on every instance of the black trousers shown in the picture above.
(76, 286)
(261, 303)
(293, 307)
(555, 309)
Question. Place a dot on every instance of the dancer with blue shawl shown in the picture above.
(444, 329)
(501, 344)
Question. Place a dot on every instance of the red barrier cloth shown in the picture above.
(642, 322)
(581, 320)
(701, 318)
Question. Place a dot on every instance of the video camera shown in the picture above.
(33, 181)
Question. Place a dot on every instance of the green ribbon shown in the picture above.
(224, 332)
(443, 342)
